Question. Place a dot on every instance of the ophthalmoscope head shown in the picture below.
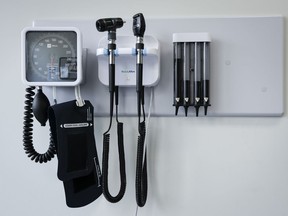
(139, 25)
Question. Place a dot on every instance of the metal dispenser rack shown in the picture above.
(191, 71)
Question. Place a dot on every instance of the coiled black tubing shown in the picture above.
(28, 132)
(141, 182)
(105, 156)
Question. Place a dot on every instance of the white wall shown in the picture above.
(201, 167)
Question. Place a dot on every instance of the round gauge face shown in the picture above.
(51, 56)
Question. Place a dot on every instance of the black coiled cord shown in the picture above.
(105, 156)
(105, 165)
(141, 182)
(28, 132)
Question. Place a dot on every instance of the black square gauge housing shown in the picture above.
(51, 56)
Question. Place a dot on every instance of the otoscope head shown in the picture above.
(109, 24)
(139, 25)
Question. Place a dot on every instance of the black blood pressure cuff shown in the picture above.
(72, 130)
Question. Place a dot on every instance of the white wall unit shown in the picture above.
(197, 166)
(247, 65)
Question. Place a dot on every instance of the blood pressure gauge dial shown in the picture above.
(51, 56)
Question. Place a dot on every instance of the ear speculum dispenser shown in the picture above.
(191, 71)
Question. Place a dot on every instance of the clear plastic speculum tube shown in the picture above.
(178, 75)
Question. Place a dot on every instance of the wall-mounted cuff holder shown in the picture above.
(125, 61)
(191, 71)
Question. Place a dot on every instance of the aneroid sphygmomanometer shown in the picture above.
(53, 57)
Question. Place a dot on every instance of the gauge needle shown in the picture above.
(51, 68)
(51, 61)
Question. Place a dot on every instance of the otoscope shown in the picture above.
(139, 27)
(110, 25)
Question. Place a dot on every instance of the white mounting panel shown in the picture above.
(247, 65)
(125, 58)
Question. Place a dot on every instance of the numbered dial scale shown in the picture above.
(51, 56)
